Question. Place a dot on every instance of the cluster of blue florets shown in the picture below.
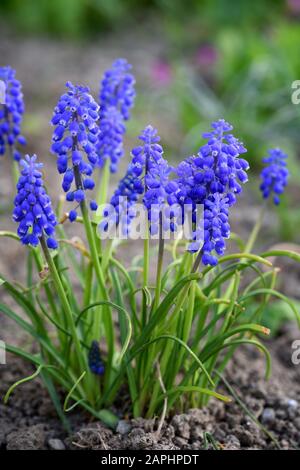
(11, 113)
(94, 359)
(212, 177)
(159, 188)
(116, 98)
(275, 175)
(147, 175)
(33, 210)
(86, 135)
(74, 142)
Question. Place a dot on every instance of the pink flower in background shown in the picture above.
(161, 72)
(206, 55)
(294, 6)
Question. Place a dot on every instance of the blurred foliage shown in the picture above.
(71, 18)
(68, 18)
(255, 98)
(275, 315)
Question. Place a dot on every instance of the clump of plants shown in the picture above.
(160, 332)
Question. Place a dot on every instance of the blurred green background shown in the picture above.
(238, 57)
(206, 60)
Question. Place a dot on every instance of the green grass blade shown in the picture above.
(191, 389)
(275, 293)
(119, 309)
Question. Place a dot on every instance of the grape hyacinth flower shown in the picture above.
(11, 114)
(116, 98)
(33, 209)
(216, 229)
(147, 175)
(275, 175)
(94, 359)
(124, 198)
(213, 176)
(74, 142)
(158, 186)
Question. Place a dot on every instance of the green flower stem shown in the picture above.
(187, 319)
(197, 262)
(107, 255)
(39, 264)
(88, 284)
(142, 363)
(103, 185)
(160, 258)
(101, 197)
(169, 348)
(149, 356)
(15, 171)
(185, 324)
(145, 274)
(63, 298)
(107, 318)
(255, 230)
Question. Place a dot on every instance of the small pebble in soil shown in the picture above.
(292, 404)
(268, 416)
(123, 427)
(56, 444)
(231, 443)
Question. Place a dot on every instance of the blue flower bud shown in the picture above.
(94, 359)
(72, 215)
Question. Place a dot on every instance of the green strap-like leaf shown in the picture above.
(70, 393)
(219, 340)
(275, 293)
(119, 309)
(274, 253)
(163, 309)
(192, 389)
(183, 344)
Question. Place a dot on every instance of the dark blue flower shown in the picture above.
(74, 140)
(110, 143)
(216, 229)
(94, 359)
(147, 175)
(158, 186)
(214, 176)
(116, 98)
(275, 175)
(117, 88)
(11, 113)
(33, 208)
(125, 197)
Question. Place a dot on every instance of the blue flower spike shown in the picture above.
(33, 209)
(213, 178)
(148, 176)
(11, 114)
(74, 141)
(275, 175)
(116, 98)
